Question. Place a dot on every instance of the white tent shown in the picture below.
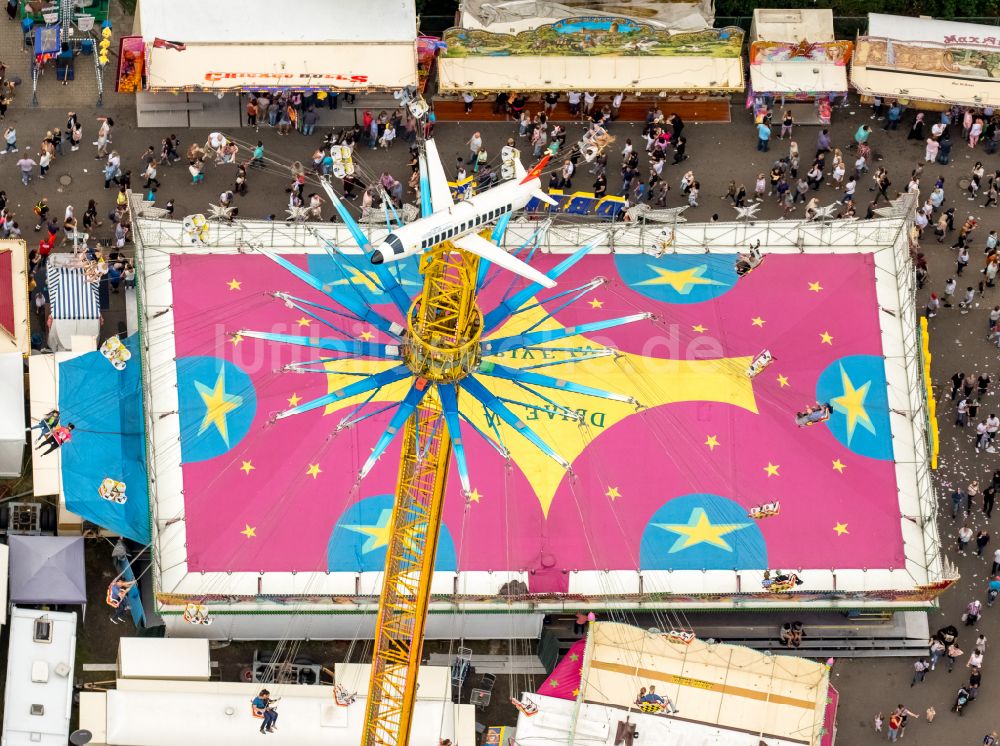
(923, 59)
(38, 698)
(12, 436)
(253, 44)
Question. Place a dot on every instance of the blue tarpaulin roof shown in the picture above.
(105, 405)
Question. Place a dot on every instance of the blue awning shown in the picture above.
(108, 442)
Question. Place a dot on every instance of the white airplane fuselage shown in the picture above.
(462, 218)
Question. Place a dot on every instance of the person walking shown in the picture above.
(920, 669)
(982, 539)
(953, 653)
(964, 537)
(26, 166)
(763, 136)
(972, 612)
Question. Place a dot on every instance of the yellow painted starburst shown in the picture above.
(234, 284)
(839, 465)
(366, 336)
(303, 321)
(236, 339)
(313, 470)
(680, 280)
(700, 530)
(826, 339)
(712, 442)
(218, 404)
(782, 380)
(474, 496)
(613, 493)
(772, 469)
(841, 529)
(852, 405)
(250, 531)
(294, 399)
(815, 287)
(699, 328)
(757, 321)
(596, 303)
(247, 467)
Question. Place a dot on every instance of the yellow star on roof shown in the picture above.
(772, 469)
(613, 493)
(699, 328)
(826, 339)
(234, 284)
(841, 529)
(378, 533)
(712, 442)
(576, 692)
(596, 303)
(236, 339)
(218, 404)
(852, 405)
(839, 465)
(294, 399)
(366, 336)
(250, 531)
(313, 470)
(247, 467)
(700, 530)
(474, 496)
(367, 280)
(815, 286)
(680, 280)
(303, 321)
(782, 380)
(758, 321)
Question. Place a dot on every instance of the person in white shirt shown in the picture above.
(616, 104)
(573, 98)
(467, 99)
(588, 102)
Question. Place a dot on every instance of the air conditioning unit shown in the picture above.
(38, 710)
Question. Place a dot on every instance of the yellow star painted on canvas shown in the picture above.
(247, 467)
(782, 380)
(712, 442)
(236, 339)
(474, 496)
(699, 328)
(303, 321)
(852, 405)
(841, 529)
(378, 533)
(815, 287)
(826, 339)
(700, 530)
(664, 382)
(234, 284)
(366, 336)
(758, 321)
(772, 469)
(839, 465)
(576, 693)
(313, 470)
(218, 404)
(613, 493)
(250, 531)
(357, 277)
(294, 399)
(596, 303)
(680, 280)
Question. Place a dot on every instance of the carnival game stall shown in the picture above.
(928, 63)
(796, 64)
(14, 344)
(690, 72)
(230, 50)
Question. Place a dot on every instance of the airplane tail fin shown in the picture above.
(539, 194)
(535, 172)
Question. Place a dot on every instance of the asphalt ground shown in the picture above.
(717, 153)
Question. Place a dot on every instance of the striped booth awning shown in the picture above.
(71, 296)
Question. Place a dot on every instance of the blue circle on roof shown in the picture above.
(359, 539)
(678, 278)
(217, 403)
(702, 531)
(855, 386)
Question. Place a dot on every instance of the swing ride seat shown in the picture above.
(749, 269)
(527, 708)
(257, 712)
(651, 708)
(759, 363)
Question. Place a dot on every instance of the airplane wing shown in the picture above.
(440, 191)
(476, 244)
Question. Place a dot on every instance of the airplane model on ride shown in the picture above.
(460, 222)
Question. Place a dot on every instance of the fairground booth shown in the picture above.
(185, 73)
(688, 68)
(928, 64)
(796, 64)
(15, 343)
